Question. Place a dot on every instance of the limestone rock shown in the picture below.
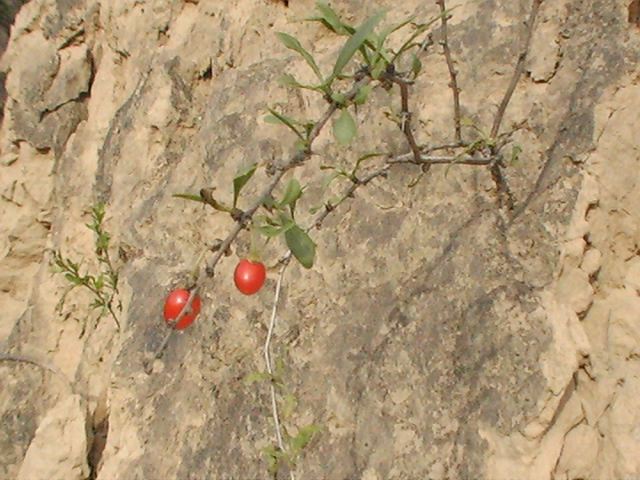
(59, 449)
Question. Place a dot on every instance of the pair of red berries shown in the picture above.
(249, 278)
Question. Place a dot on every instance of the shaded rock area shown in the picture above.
(439, 335)
(8, 10)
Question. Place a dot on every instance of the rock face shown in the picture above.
(439, 335)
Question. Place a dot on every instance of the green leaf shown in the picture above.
(304, 436)
(354, 43)
(242, 177)
(254, 377)
(289, 81)
(73, 279)
(362, 94)
(97, 303)
(188, 196)
(378, 68)
(272, 231)
(293, 44)
(276, 117)
(515, 155)
(339, 98)
(409, 43)
(279, 367)
(301, 145)
(268, 202)
(273, 451)
(416, 65)
(364, 157)
(98, 212)
(292, 193)
(332, 21)
(394, 28)
(345, 128)
(330, 178)
(290, 404)
(301, 245)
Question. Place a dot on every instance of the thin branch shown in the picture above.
(349, 192)
(406, 115)
(19, 357)
(296, 159)
(453, 73)
(268, 363)
(518, 69)
(445, 146)
(438, 160)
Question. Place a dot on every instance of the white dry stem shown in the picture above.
(267, 359)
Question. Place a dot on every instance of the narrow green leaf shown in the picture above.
(378, 68)
(98, 212)
(515, 155)
(292, 193)
(394, 28)
(188, 196)
(293, 44)
(363, 94)
(271, 231)
(331, 19)
(289, 81)
(254, 377)
(365, 157)
(242, 177)
(416, 65)
(339, 98)
(345, 128)
(268, 202)
(273, 451)
(73, 279)
(301, 145)
(329, 179)
(304, 436)
(301, 245)
(97, 303)
(290, 404)
(276, 117)
(279, 367)
(354, 43)
(409, 43)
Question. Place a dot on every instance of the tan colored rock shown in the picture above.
(58, 450)
(591, 262)
(632, 277)
(582, 446)
(575, 290)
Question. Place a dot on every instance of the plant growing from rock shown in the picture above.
(365, 63)
(104, 284)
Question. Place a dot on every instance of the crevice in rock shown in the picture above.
(98, 439)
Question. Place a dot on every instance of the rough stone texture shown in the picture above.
(58, 450)
(438, 335)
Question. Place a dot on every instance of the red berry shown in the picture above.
(174, 304)
(249, 276)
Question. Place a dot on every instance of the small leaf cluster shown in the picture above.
(295, 444)
(278, 218)
(104, 284)
(376, 61)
